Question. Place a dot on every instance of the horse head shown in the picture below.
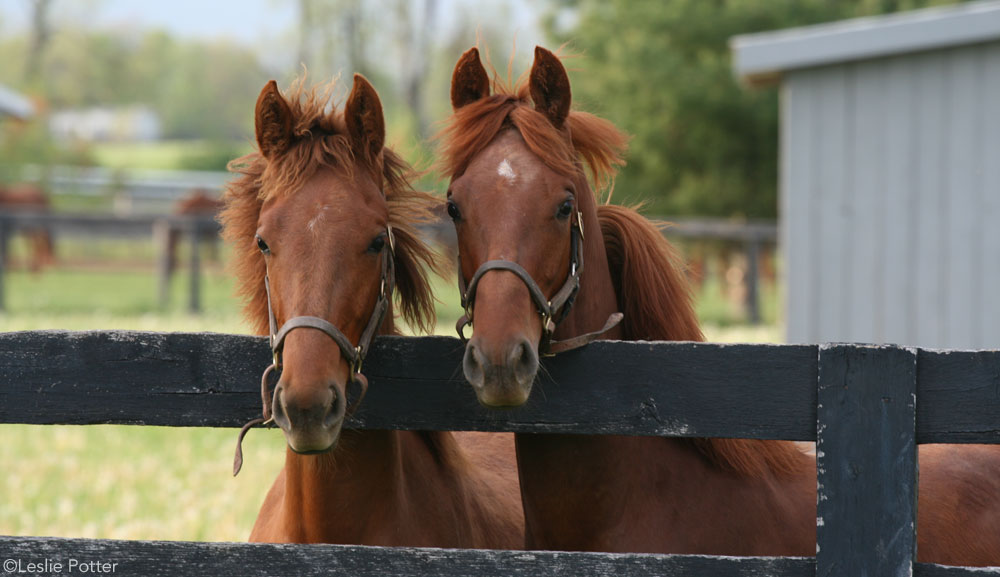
(314, 244)
(516, 196)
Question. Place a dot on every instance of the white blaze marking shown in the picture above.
(505, 170)
(318, 217)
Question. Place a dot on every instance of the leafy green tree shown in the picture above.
(661, 71)
(208, 91)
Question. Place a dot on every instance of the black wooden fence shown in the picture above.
(157, 227)
(841, 396)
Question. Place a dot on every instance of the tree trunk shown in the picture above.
(39, 39)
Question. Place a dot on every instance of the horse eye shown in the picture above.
(453, 211)
(378, 244)
(565, 209)
(262, 245)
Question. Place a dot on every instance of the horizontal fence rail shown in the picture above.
(842, 396)
(104, 224)
(625, 388)
(173, 558)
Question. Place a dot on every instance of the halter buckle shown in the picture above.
(467, 307)
(547, 320)
(358, 360)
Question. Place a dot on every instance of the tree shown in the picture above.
(662, 72)
(40, 31)
(207, 90)
(332, 36)
(414, 38)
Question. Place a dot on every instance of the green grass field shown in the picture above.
(151, 482)
(169, 154)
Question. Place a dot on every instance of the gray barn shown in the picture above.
(890, 175)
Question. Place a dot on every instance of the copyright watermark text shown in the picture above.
(58, 567)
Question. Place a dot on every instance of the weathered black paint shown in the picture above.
(866, 461)
(415, 383)
(170, 559)
(958, 396)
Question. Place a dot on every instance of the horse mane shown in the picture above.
(653, 293)
(321, 141)
(596, 142)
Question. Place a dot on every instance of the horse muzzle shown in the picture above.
(501, 378)
(311, 418)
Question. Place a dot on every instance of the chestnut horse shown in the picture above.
(197, 202)
(519, 194)
(29, 198)
(326, 214)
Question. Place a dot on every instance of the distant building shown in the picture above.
(889, 175)
(104, 124)
(14, 104)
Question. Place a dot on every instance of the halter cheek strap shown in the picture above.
(355, 355)
(553, 310)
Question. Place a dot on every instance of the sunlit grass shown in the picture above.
(127, 482)
(165, 154)
(73, 299)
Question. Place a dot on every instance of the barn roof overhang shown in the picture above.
(14, 104)
(762, 58)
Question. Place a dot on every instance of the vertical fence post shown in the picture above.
(4, 230)
(866, 461)
(194, 230)
(753, 278)
(161, 242)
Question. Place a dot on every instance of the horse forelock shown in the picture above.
(584, 140)
(322, 142)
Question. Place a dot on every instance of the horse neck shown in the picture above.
(608, 472)
(376, 488)
(647, 494)
(596, 300)
(353, 494)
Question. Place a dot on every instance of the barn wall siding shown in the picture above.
(890, 199)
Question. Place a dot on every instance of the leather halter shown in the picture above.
(553, 310)
(355, 355)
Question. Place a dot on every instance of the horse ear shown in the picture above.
(469, 82)
(363, 116)
(549, 86)
(273, 120)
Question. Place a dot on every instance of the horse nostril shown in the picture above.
(472, 365)
(338, 407)
(278, 412)
(524, 362)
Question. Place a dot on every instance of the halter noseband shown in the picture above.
(553, 310)
(355, 355)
